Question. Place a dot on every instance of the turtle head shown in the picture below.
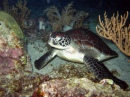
(59, 40)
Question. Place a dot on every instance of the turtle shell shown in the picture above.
(87, 39)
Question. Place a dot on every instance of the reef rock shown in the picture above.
(78, 87)
(14, 59)
(12, 51)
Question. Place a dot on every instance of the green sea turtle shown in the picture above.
(82, 46)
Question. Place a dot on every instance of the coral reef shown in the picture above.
(77, 87)
(19, 11)
(17, 78)
(69, 18)
(11, 39)
(20, 83)
(114, 29)
(13, 57)
(73, 80)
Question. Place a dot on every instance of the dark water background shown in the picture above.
(91, 6)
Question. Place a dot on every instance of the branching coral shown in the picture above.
(114, 29)
(68, 17)
(19, 11)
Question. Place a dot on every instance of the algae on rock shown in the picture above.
(14, 60)
(11, 23)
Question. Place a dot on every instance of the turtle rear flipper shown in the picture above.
(101, 72)
(43, 60)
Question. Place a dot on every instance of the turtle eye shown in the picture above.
(55, 42)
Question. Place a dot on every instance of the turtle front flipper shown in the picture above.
(43, 60)
(101, 72)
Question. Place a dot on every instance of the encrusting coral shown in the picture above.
(114, 29)
(69, 18)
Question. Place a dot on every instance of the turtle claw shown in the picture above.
(101, 72)
(43, 60)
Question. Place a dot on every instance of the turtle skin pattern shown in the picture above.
(100, 71)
